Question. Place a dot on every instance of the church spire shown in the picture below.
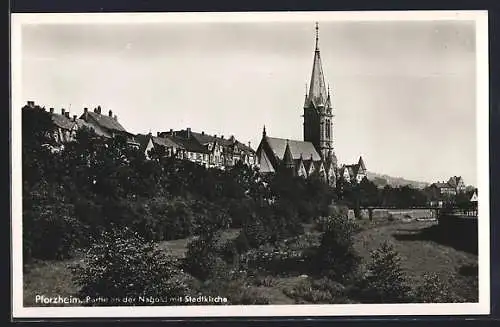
(317, 37)
(317, 89)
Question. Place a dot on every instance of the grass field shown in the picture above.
(419, 256)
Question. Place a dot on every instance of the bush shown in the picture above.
(174, 217)
(336, 254)
(122, 264)
(322, 291)
(255, 233)
(201, 258)
(435, 290)
(50, 229)
(385, 281)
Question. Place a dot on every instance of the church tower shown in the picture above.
(318, 116)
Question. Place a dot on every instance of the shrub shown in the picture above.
(324, 291)
(435, 290)
(271, 259)
(385, 281)
(256, 233)
(243, 295)
(241, 242)
(201, 258)
(50, 229)
(174, 217)
(122, 264)
(336, 254)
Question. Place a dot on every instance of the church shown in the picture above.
(315, 154)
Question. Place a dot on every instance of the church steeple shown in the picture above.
(318, 111)
(317, 89)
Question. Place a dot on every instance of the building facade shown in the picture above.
(315, 154)
(207, 150)
(453, 186)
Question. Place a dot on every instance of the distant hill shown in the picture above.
(382, 180)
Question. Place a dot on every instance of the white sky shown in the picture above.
(404, 92)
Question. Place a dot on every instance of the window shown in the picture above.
(327, 128)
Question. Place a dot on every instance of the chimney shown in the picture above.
(110, 113)
(85, 110)
(99, 109)
(63, 112)
(74, 117)
(67, 114)
(249, 144)
(158, 134)
(222, 136)
(202, 132)
(31, 104)
(188, 130)
(95, 110)
(51, 110)
(115, 117)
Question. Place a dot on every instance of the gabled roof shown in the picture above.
(287, 156)
(442, 185)
(454, 181)
(361, 163)
(62, 121)
(318, 165)
(297, 148)
(205, 139)
(265, 165)
(161, 141)
(189, 144)
(104, 121)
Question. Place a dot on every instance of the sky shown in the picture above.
(404, 92)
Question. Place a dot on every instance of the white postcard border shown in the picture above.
(482, 307)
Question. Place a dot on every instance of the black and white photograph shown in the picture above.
(250, 164)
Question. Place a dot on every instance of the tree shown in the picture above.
(385, 281)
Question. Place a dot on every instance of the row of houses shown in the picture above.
(211, 151)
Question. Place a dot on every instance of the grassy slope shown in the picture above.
(419, 256)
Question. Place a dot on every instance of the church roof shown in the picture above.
(361, 163)
(297, 148)
(265, 165)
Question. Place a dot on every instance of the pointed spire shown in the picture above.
(317, 90)
(264, 131)
(287, 158)
(317, 37)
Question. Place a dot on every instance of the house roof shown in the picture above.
(189, 144)
(166, 142)
(442, 185)
(454, 181)
(205, 139)
(62, 121)
(104, 121)
(297, 148)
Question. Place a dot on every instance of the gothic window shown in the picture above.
(327, 128)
